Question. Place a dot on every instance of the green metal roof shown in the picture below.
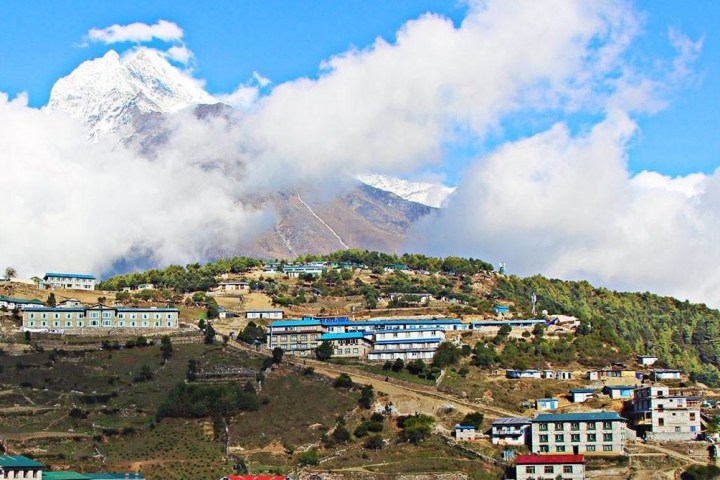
(18, 461)
(579, 417)
(64, 476)
(19, 300)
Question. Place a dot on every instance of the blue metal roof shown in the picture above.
(410, 340)
(295, 323)
(619, 387)
(70, 275)
(418, 350)
(342, 336)
(579, 417)
(494, 323)
(547, 400)
(464, 427)
(582, 390)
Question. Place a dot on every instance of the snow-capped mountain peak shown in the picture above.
(431, 194)
(107, 93)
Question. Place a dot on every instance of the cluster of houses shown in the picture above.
(71, 316)
(19, 467)
(379, 339)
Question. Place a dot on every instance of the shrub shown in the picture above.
(310, 457)
(343, 381)
(374, 442)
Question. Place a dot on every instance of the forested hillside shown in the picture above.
(681, 334)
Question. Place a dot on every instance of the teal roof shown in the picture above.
(578, 417)
(18, 461)
(70, 275)
(295, 323)
(68, 475)
(582, 390)
(341, 336)
(620, 387)
(19, 300)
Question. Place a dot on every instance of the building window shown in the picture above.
(607, 425)
(607, 448)
(530, 469)
(592, 437)
(560, 438)
(575, 426)
(544, 449)
(559, 426)
(549, 469)
(677, 429)
(590, 448)
(591, 425)
(560, 448)
(575, 437)
(543, 427)
(607, 437)
(567, 469)
(80, 323)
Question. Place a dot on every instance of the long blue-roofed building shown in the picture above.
(77, 281)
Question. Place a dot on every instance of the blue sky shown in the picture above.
(283, 40)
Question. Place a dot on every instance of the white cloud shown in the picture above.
(180, 54)
(261, 81)
(136, 32)
(84, 206)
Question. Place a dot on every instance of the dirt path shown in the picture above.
(406, 397)
(674, 454)
(35, 435)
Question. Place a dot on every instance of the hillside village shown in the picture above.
(447, 354)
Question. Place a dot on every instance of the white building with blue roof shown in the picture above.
(587, 433)
(77, 281)
(296, 337)
(81, 319)
(349, 344)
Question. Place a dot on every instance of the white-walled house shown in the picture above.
(77, 281)
(511, 431)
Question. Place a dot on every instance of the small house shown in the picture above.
(547, 403)
(564, 375)
(581, 395)
(502, 309)
(549, 374)
(619, 392)
(666, 374)
(565, 466)
(646, 360)
(530, 374)
(511, 431)
(465, 433)
(274, 314)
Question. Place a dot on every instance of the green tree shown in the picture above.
(475, 419)
(309, 457)
(343, 381)
(51, 302)
(213, 310)
(191, 373)
(374, 442)
(417, 428)
(209, 335)
(10, 273)
(166, 347)
(324, 351)
(367, 397)
(341, 434)
(277, 355)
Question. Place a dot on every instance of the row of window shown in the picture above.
(339, 351)
(295, 338)
(560, 426)
(549, 469)
(588, 448)
(575, 437)
(96, 323)
(122, 316)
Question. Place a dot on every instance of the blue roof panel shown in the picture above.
(579, 417)
(70, 275)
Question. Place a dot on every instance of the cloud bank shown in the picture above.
(559, 201)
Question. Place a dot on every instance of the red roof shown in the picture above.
(548, 459)
(256, 477)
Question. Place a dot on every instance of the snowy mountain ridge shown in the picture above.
(107, 93)
(431, 194)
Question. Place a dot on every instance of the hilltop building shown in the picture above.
(77, 281)
(511, 431)
(21, 303)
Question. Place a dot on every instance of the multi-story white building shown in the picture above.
(551, 467)
(349, 344)
(415, 344)
(265, 313)
(511, 431)
(20, 467)
(98, 317)
(296, 337)
(659, 415)
(592, 432)
(78, 281)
